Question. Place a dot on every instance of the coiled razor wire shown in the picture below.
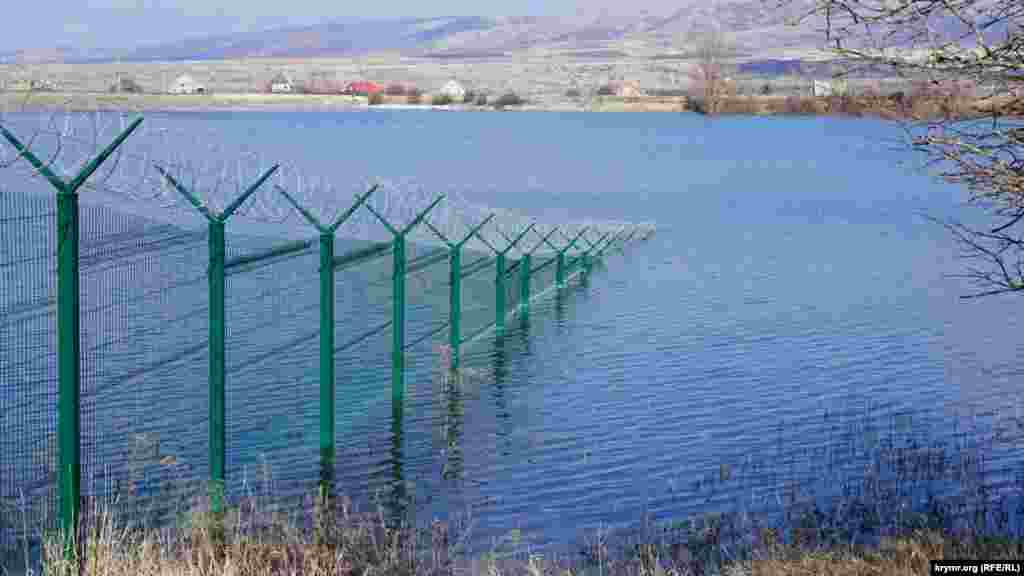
(143, 259)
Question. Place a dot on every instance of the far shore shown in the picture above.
(887, 107)
(216, 102)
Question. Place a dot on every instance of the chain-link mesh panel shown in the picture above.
(28, 374)
(363, 300)
(512, 290)
(427, 302)
(144, 309)
(272, 317)
(479, 301)
(542, 277)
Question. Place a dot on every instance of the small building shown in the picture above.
(281, 84)
(30, 86)
(126, 85)
(622, 89)
(826, 88)
(629, 89)
(362, 88)
(185, 84)
(19, 85)
(454, 90)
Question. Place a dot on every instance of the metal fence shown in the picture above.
(137, 355)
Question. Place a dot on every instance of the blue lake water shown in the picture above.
(791, 283)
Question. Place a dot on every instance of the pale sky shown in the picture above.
(125, 23)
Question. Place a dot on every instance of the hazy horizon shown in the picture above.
(111, 24)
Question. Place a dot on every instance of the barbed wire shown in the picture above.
(140, 171)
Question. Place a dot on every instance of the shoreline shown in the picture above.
(89, 102)
(868, 106)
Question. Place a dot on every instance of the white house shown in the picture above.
(826, 88)
(281, 84)
(454, 90)
(185, 84)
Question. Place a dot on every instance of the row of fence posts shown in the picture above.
(69, 314)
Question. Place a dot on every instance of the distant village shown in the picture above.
(452, 91)
(628, 86)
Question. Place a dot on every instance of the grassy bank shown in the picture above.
(167, 102)
(879, 494)
(336, 540)
(895, 107)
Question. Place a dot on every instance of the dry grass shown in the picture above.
(909, 555)
(251, 542)
(874, 524)
(365, 545)
(909, 108)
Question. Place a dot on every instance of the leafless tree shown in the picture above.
(707, 75)
(979, 43)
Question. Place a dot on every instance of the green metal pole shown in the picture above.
(398, 322)
(524, 284)
(560, 270)
(68, 362)
(69, 358)
(328, 452)
(327, 405)
(455, 304)
(217, 364)
(215, 277)
(499, 294)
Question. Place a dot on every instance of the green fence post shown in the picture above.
(574, 263)
(587, 257)
(524, 283)
(398, 320)
(327, 394)
(499, 293)
(68, 360)
(524, 273)
(216, 280)
(69, 317)
(455, 304)
(398, 305)
(560, 267)
(217, 403)
(608, 244)
(328, 451)
(499, 283)
(455, 287)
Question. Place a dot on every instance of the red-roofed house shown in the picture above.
(362, 88)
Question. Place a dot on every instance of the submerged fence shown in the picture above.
(114, 325)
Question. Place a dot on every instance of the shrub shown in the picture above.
(441, 100)
(766, 90)
(126, 85)
(395, 90)
(697, 104)
(739, 105)
(800, 105)
(509, 99)
(469, 98)
(376, 98)
(667, 92)
(481, 99)
(572, 93)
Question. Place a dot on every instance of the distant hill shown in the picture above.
(334, 38)
(754, 30)
(450, 37)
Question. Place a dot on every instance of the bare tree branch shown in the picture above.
(956, 51)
